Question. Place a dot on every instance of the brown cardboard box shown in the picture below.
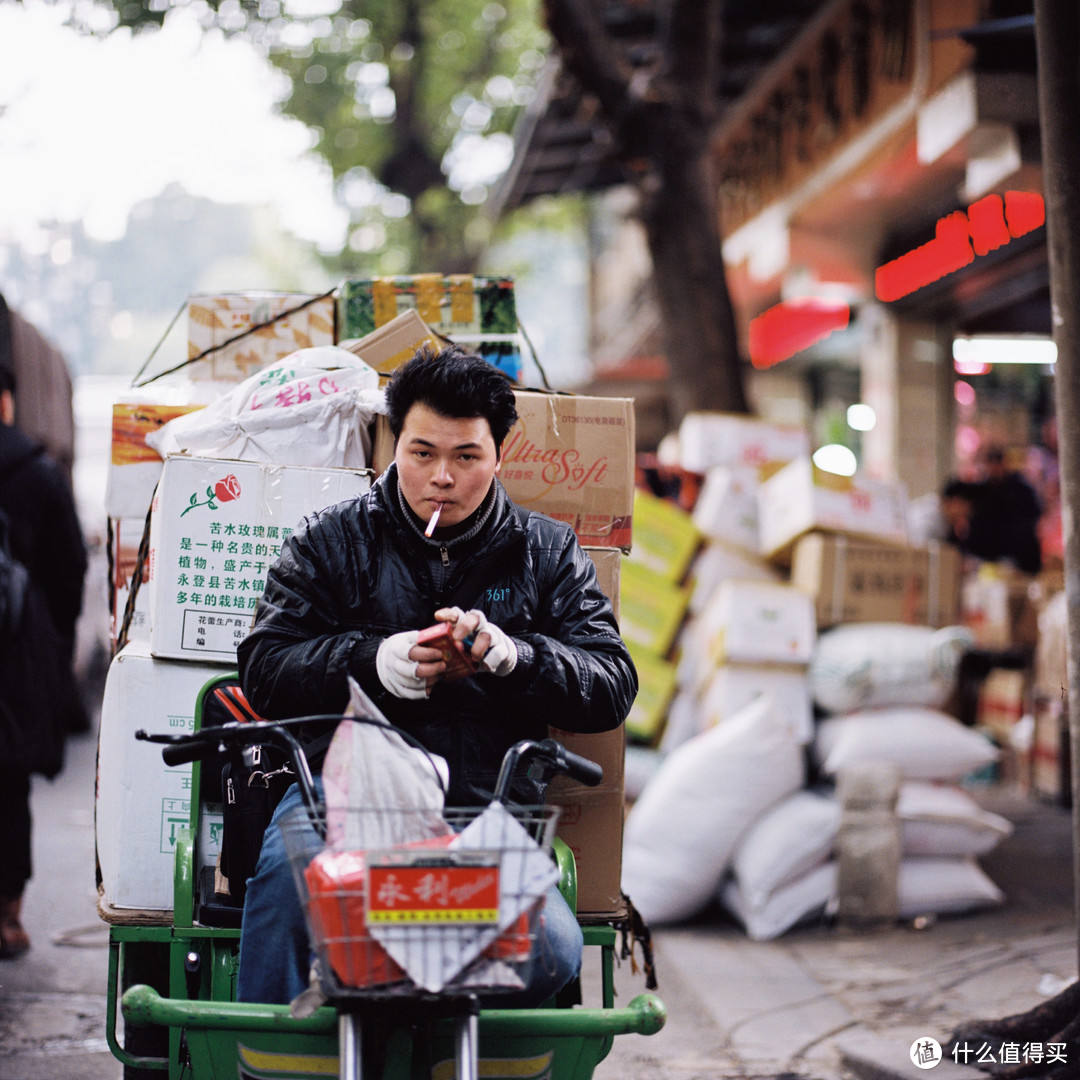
(591, 822)
(388, 347)
(127, 534)
(242, 332)
(568, 456)
(857, 580)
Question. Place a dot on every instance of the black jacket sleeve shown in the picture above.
(574, 663)
(297, 659)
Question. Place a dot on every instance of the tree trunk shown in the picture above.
(1057, 37)
(683, 229)
(1057, 34)
(661, 117)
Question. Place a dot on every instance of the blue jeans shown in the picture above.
(275, 956)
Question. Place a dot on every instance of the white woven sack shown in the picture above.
(682, 831)
(941, 819)
(867, 665)
(926, 887)
(806, 896)
(944, 887)
(924, 744)
(792, 838)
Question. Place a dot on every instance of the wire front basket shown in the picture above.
(413, 901)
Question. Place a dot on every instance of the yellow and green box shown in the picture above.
(656, 688)
(477, 312)
(651, 608)
(665, 536)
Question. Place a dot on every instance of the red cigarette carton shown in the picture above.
(441, 636)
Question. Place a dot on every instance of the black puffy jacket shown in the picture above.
(357, 572)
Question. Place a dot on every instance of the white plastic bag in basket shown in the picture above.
(311, 408)
(369, 769)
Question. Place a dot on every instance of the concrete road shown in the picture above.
(818, 1003)
(52, 999)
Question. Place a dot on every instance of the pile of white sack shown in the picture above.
(729, 816)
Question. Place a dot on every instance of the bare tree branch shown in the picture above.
(692, 54)
(587, 52)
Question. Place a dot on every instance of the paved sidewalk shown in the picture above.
(832, 1004)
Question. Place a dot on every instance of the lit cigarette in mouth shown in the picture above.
(434, 521)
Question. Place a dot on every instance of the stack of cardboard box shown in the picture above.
(786, 550)
(748, 630)
(214, 527)
(655, 597)
(217, 525)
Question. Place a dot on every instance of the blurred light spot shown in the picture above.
(60, 252)
(964, 393)
(122, 325)
(835, 458)
(861, 417)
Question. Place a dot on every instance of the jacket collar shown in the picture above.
(495, 519)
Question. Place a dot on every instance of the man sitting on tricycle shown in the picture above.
(531, 638)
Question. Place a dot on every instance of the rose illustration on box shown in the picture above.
(223, 491)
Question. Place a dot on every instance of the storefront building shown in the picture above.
(880, 198)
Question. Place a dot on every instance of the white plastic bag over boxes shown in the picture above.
(312, 408)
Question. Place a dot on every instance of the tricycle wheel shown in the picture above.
(146, 963)
(146, 1042)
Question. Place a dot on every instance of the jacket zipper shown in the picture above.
(445, 556)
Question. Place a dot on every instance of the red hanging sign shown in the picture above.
(792, 326)
(989, 223)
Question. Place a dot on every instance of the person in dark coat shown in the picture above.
(1004, 524)
(435, 539)
(37, 686)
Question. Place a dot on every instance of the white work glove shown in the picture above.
(396, 671)
(501, 655)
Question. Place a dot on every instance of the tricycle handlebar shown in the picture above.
(545, 758)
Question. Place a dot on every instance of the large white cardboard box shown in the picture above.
(758, 622)
(715, 438)
(215, 529)
(727, 506)
(141, 801)
(801, 498)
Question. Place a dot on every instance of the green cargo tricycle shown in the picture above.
(175, 983)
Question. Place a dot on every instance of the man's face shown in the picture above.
(445, 461)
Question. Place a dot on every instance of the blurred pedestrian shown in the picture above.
(38, 691)
(46, 412)
(1005, 517)
(957, 508)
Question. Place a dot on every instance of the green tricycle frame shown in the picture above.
(175, 984)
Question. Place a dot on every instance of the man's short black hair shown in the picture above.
(454, 383)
